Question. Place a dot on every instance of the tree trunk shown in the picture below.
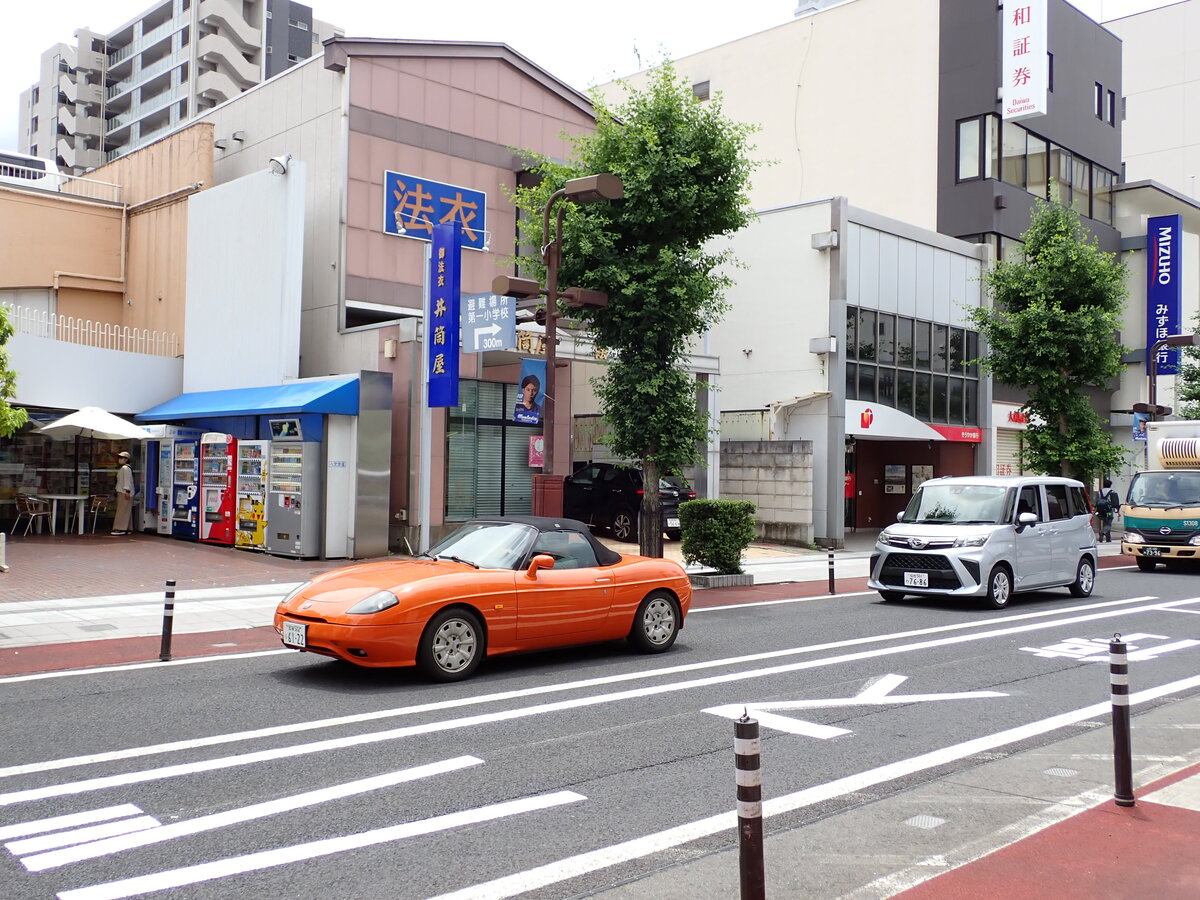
(650, 530)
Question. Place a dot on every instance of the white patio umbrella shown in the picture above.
(92, 422)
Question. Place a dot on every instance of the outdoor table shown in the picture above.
(79, 514)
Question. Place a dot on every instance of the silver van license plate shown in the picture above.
(916, 579)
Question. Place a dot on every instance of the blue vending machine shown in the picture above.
(185, 491)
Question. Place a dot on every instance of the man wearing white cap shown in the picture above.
(121, 523)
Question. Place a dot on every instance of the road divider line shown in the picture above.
(331, 744)
(440, 706)
(70, 820)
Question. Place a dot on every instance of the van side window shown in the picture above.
(1029, 501)
(1079, 504)
(1056, 502)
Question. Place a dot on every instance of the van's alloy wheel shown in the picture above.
(999, 587)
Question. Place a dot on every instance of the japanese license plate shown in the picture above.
(295, 634)
(916, 579)
(1151, 551)
(672, 523)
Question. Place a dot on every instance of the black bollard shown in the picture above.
(1118, 675)
(164, 651)
(832, 587)
(749, 808)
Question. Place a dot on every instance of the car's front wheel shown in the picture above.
(624, 526)
(1145, 564)
(1085, 579)
(452, 645)
(656, 624)
(999, 588)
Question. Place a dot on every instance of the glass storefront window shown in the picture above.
(956, 401)
(941, 393)
(866, 335)
(887, 386)
(921, 397)
(885, 350)
(866, 383)
(971, 404)
(851, 332)
(904, 341)
(851, 381)
(904, 391)
(487, 455)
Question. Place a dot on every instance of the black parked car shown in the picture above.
(609, 496)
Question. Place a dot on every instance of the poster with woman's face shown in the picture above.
(528, 408)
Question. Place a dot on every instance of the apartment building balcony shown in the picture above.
(78, 122)
(227, 16)
(144, 109)
(149, 39)
(219, 50)
(76, 154)
(141, 76)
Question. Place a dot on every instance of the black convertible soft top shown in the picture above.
(604, 555)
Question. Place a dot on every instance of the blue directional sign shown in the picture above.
(412, 205)
(489, 322)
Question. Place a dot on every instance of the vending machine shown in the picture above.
(162, 489)
(185, 490)
(217, 455)
(251, 495)
(294, 492)
(159, 472)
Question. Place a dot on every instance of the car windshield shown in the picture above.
(957, 504)
(1165, 489)
(488, 545)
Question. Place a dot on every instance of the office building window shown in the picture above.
(1013, 165)
(1098, 101)
(1110, 108)
(969, 160)
(700, 90)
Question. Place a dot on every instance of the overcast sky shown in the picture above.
(581, 43)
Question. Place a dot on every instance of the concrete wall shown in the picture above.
(777, 477)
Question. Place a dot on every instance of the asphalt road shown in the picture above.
(549, 775)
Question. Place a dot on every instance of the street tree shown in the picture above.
(11, 417)
(1051, 331)
(686, 173)
(1187, 382)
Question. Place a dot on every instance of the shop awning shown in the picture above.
(336, 396)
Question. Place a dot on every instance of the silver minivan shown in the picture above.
(988, 536)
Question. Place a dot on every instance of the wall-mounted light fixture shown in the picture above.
(279, 164)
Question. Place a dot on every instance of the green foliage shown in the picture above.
(11, 417)
(686, 175)
(1051, 330)
(717, 532)
(1187, 383)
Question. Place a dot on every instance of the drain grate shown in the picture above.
(100, 626)
(1060, 772)
(925, 822)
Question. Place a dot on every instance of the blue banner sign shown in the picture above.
(412, 206)
(442, 317)
(1164, 288)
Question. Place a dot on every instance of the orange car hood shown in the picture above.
(342, 588)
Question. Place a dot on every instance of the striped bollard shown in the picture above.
(832, 588)
(746, 748)
(1118, 674)
(164, 651)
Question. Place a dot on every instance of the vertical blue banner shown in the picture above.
(1164, 288)
(441, 319)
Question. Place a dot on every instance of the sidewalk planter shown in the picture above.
(721, 581)
(715, 534)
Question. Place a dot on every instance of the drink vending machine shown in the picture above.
(217, 454)
(184, 490)
(252, 495)
(294, 495)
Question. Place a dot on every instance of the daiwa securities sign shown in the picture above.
(1024, 64)
(1164, 290)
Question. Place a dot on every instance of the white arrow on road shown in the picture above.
(491, 331)
(877, 692)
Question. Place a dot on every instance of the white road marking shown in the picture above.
(133, 667)
(116, 844)
(235, 737)
(637, 848)
(876, 693)
(80, 835)
(71, 820)
(95, 784)
(266, 859)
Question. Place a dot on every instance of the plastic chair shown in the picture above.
(32, 509)
(99, 504)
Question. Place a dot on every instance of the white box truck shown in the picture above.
(1161, 513)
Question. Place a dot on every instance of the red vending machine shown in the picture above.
(217, 496)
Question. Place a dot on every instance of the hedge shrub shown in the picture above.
(717, 532)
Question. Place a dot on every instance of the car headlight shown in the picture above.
(377, 602)
(296, 590)
(977, 541)
(1131, 538)
(1194, 540)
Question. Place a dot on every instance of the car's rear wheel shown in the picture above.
(624, 526)
(1146, 565)
(452, 645)
(890, 596)
(674, 535)
(656, 624)
(1085, 579)
(999, 587)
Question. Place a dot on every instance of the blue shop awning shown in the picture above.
(336, 396)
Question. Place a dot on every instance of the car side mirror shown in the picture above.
(900, 516)
(1025, 519)
(541, 561)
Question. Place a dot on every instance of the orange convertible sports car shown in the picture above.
(493, 586)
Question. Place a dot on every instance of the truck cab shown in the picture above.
(1161, 511)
